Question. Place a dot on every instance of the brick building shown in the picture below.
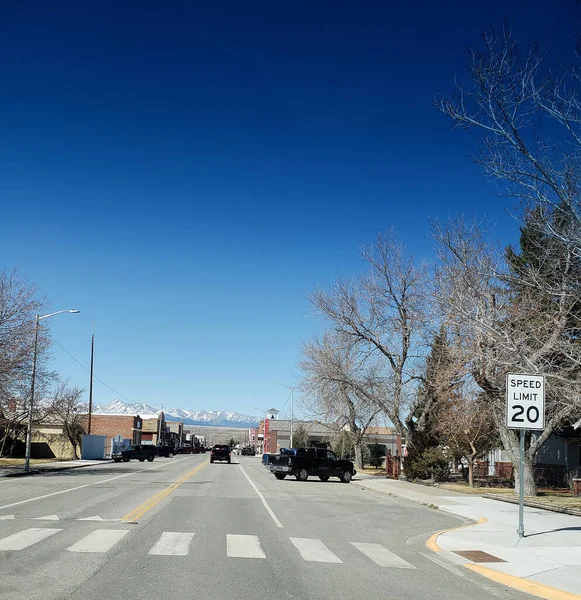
(175, 433)
(153, 429)
(127, 426)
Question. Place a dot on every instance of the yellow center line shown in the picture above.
(138, 512)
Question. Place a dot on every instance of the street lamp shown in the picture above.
(29, 429)
(292, 389)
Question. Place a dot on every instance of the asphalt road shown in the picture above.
(182, 527)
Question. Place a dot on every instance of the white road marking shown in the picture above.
(244, 546)
(99, 519)
(47, 518)
(99, 540)
(270, 511)
(314, 550)
(7, 518)
(382, 556)
(80, 487)
(172, 543)
(26, 538)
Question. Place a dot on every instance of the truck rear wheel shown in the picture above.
(302, 475)
(280, 475)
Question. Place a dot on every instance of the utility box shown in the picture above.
(93, 447)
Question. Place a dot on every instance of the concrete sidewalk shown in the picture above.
(546, 562)
(63, 465)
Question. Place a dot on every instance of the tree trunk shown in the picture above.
(12, 446)
(4, 442)
(359, 455)
(470, 471)
(530, 485)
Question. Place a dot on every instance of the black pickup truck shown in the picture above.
(311, 461)
(140, 452)
(220, 452)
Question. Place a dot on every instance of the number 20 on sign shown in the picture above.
(525, 401)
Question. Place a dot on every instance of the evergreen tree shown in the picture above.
(438, 385)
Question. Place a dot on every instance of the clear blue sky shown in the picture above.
(185, 172)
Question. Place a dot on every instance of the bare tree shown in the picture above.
(527, 120)
(466, 425)
(340, 388)
(68, 409)
(383, 314)
(18, 306)
(512, 318)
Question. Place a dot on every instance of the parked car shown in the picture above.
(220, 452)
(166, 451)
(248, 451)
(141, 453)
(307, 462)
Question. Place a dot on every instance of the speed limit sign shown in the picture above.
(525, 401)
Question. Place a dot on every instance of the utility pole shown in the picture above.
(91, 379)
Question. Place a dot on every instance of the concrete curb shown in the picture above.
(558, 509)
(40, 471)
(514, 582)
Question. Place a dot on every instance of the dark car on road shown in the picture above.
(166, 451)
(141, 453)
(306, 462)
(220, 452)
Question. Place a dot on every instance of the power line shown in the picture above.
(94, 376)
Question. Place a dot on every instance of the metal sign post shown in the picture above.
(521, 486)
(525, 409)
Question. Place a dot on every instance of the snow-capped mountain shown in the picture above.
(217, 418)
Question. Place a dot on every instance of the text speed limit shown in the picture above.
(525, 401)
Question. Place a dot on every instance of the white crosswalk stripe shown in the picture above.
(175, 543)
(100, 540)
(314, 550)
(26, 537)
(172, 543)
(382, 556)
(244, 546)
